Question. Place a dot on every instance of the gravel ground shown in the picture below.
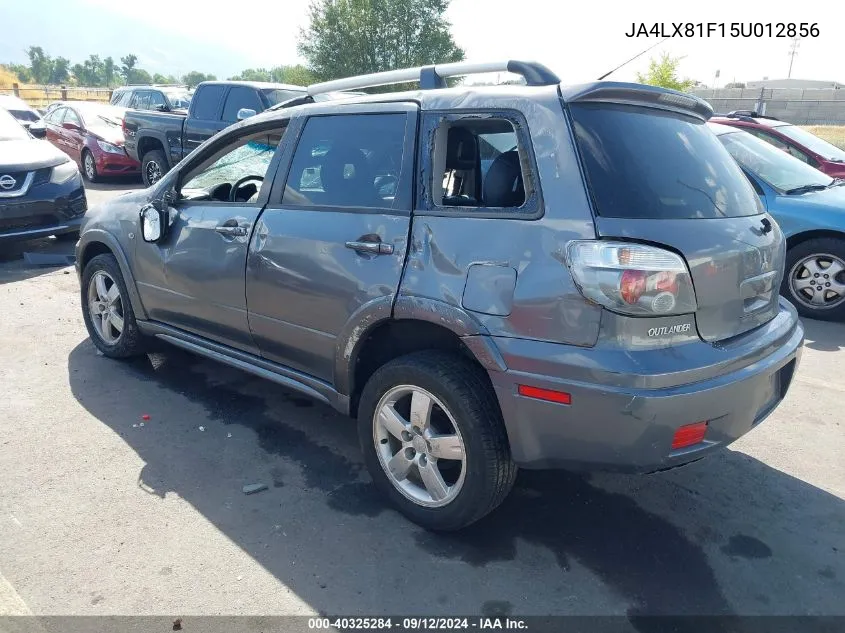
(101, 515)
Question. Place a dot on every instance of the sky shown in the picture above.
(578, 40)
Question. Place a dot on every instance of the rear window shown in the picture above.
(25, 115)
(277, 95)
(650, 163)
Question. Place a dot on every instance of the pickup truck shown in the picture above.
(159, 140)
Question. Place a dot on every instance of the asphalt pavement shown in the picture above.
(104, 512)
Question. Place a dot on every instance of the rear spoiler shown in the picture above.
(637, 94)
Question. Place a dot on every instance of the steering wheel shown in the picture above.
(240, 182)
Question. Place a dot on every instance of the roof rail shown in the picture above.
(434, 76)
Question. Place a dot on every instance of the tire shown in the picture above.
(154, 162)
(460, 386)
(125, 342)
(89, 167)
(815, 257)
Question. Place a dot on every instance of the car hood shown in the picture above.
(29, 154)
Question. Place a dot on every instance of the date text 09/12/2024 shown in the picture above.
(723, 29)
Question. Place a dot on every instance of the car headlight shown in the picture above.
(108, 147)
(64, 172)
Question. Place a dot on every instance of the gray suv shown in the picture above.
(534, 276)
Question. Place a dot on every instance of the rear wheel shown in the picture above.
(107, 310)
(434, 441)
(153, 167)
(89, 167)
(815, 278)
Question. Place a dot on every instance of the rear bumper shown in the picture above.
(46, 209)
(626, 406)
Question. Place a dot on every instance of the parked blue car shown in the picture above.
(809, 207)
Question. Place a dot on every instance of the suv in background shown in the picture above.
(792, 139)
(487, 277)
(162, 98)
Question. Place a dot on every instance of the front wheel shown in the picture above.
(434, 441)
(815, 278)
(89, 167)
(107, 310)
(153, 167)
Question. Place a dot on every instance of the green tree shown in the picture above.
(252, 74)
(352, 37)
(195, 77)
(60, 72)
(40, 64)
(140, 76)
(663, 72)
(21, 71)
(128, 66)
(109, 71)
(297, 75)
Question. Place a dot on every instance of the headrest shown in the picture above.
(461, 149)
(503, 185)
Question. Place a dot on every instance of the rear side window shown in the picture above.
(156, 99)
(142, 100)
(206, 102)
(349, 161)
(241, 97)
(650, 163)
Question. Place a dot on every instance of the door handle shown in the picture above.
(377, 248)
(231, 230)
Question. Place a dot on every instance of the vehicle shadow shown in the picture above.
(727, 535)
(14, 267)
(825, 336)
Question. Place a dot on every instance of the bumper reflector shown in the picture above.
(689, 435)
(561, 397)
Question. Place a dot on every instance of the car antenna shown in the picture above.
(610, 72)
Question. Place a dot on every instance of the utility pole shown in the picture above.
(793, 51)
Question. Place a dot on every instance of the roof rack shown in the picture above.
(434, 76)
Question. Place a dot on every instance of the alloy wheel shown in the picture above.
(90, 168)
(105, 306)
(153, 172)
(419, 446)
(818, 281)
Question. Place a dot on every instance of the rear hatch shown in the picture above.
(657, 175)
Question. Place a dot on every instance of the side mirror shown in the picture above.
(38, 130)
(245, 113)
(70, 126)
(153, 223)
(162, 108)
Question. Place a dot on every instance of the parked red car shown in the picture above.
(92, 135)
(790, 138)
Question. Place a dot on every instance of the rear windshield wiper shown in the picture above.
(805, 189)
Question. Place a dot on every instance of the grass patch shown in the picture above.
(834, 134)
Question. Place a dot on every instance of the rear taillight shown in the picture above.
(632, 279)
